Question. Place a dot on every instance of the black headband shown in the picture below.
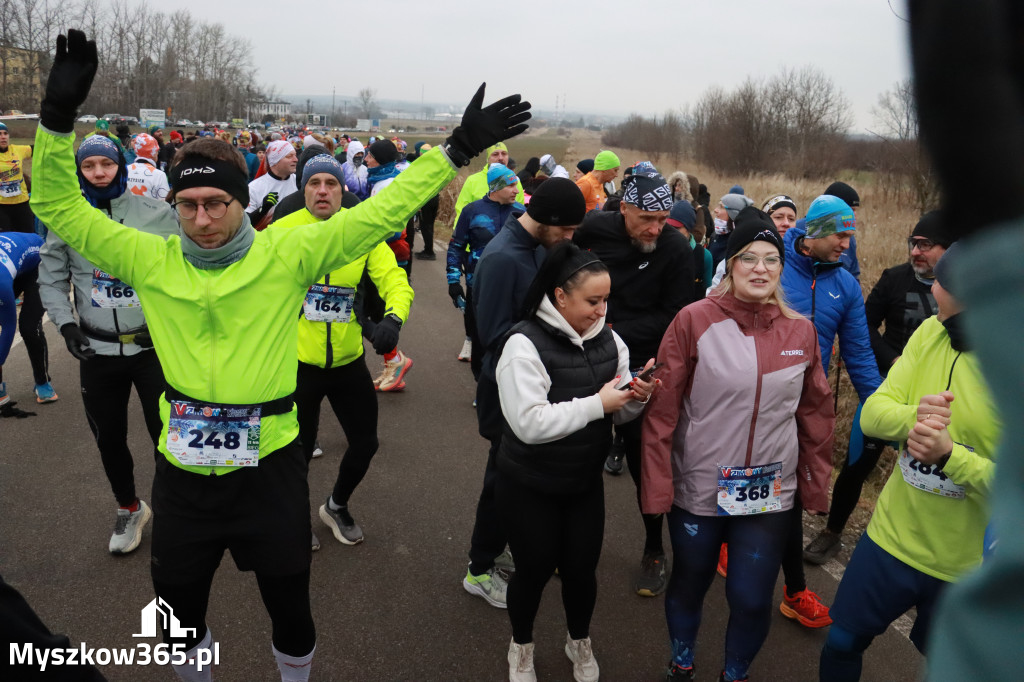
(200, 171)
(648, 192)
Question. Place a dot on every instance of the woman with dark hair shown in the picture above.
(559, 378)
(529, 172)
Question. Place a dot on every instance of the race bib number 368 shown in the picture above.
(202, 435)
(749, 490)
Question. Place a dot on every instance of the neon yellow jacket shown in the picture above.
(939, 536)
(345, 339)
(475, 186)
(226, 335)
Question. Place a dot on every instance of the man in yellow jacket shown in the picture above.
(221, 303)
(331, 360)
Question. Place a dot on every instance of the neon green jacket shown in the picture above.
(939, 536)
(345, 339)
(226, 335)
(475, 186)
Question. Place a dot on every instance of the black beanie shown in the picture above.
(931, 226)
(753, 225)
(585, 166)
(383, 151)
(558, 201)
(844, 192)
(944, 270)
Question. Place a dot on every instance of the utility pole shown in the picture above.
(334, 91)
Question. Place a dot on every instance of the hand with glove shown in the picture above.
(385, 335)
(78, 343)
(483, 127)
(456, 292)
(269, 202)
(74, 67)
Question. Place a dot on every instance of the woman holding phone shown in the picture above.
(744, 419)
(559, 378)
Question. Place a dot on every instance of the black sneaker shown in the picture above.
(653, 579)
(678, 672)
(613, 465)
(426, 255)
(822, 548)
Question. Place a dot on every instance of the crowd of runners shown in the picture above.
(614, 319)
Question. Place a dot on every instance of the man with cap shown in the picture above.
(331, 360)
(684, 218)
(355, 171)
(503, 275)
(109, 336)
(902, 299)
(221, 303)
(652, 273)
(725, 213)
(15, 215)
(583, 167)
(144, 179)
(849, 195)
(277, 183)
(606, 167)
(475, 186)
(296, 201)
(928, 528)
(478, 223)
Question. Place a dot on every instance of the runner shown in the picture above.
(606, 167)
(15, 214)
(144, 178)
(273, 185)
(475, 186)
(19, 260)
(231, 372)
(109, 337)
(355, 171)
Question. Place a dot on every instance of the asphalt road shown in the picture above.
(392, 608)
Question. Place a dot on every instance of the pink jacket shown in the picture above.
(742, 385)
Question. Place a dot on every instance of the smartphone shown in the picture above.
(645, 375)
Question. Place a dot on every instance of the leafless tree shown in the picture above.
(903, 162)
(367, 99)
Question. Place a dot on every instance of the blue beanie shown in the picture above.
(499, 177)
(682, 215)
(736, 189)
(98, 145)
(829, 215)
(322, 163)
(3, 126)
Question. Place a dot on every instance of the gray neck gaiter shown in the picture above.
(222, 256)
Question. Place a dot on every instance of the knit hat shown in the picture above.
(778, 201)
(176, 136)
(383, 151)
(829, 215)
(644, 168)
(753, 225)
(547, 164)
(606, 160)
(585, 166)
(244, 138)
(153, 128)
(945, 269)
(425, 148)
(277, 150)
(682, 215)
(417, 146)
(3, 126)
(844, 192)
(499, 177)
(736, 189)
(648, 192)
(308, 140)
(322, 163)
(98, 145)
(146, 146)
(931, 226)
(734, 203)
(557, 201)
(102, 125)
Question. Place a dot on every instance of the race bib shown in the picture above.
(110, 292)
(10, 189)
(328, 303)
(202, 435)
(928, 478)
(749, 490)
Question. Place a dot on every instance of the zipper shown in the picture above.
(330, 350)
(757, 402)
(213, 336)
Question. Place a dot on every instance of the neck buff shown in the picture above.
(957, 333)
(647, 192)
(721, 226)
(382, 172)
(97, 145)
(200, 171)
(222, 256)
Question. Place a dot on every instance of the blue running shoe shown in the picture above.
(45, 393)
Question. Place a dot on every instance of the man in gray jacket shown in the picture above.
(109, 336)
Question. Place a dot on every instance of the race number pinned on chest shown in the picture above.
(204, 435)
(328, 303)
(749, 490)
(110, 292)
(10, 189)
(928, 478)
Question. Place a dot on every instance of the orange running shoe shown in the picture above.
(806, 608)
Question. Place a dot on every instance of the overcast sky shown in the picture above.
(644, 56)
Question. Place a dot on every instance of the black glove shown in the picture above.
(78, 343)
(385, 336)
(269, 202)
(456, 292)
(9, 410)
(481, 128)
(74, 67)
(144, 340)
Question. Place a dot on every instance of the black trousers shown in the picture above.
(106, 389)
(489, 537)
(30, 326)
(477, 359)
(546, 532)
(630, 432)
(428, 214)
(17, 218)
(350, 392)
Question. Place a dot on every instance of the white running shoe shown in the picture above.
(128, 529)
(466, 354)
(584, 665)
(520, 662)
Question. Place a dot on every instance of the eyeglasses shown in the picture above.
(190, 209)
(923, 245)
(751, 260)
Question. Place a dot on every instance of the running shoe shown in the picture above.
(341, 523)
(316, 542)
(723, 560)
(128, 528)
(613, 464)
(822, 548)
(45, 393)
(4, 398)
(504, 562)
(652, 580)
(317, 452)
(490, 585)
(466, 354)
(391, 379)
(806, 608)
(584, 665)
(520, 663)
(426, 255)
(678, 672)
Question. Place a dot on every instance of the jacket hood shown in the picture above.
(354, 147)
(546, 313)
(680, 175)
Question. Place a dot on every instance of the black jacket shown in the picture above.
(903, 302)
(648, 289)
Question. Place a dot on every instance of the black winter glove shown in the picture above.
(78, 343)
(144, 340)
(385, 336)
(9, 410)
(269, 202)
(74, 67)
(481, 128)
(456, 292)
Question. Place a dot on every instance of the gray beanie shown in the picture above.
(734, 203)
